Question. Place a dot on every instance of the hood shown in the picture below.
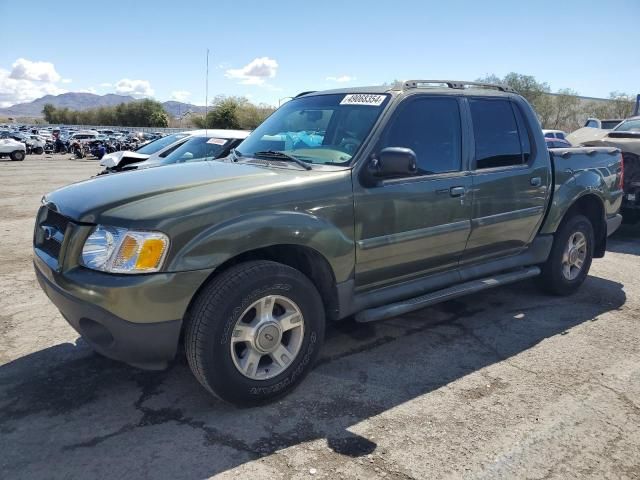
(594, 137)
(154, 194)
(113, 159)
(586, 134)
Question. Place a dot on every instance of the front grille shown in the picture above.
(51, 228)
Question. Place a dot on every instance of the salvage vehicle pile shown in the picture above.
(626, 137)
(80, 143)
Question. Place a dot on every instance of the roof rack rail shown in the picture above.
(456, 84)
(305, 93)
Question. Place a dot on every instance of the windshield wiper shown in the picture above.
(282, 156)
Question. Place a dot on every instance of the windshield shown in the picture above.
(159, 144)
(196, 148)
(320, 129)
(629, 126)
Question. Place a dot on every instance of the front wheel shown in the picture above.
(38, 150)
(254, 332)
(570, 258)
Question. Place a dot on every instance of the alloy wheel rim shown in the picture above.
(574, 255)
(267, 337)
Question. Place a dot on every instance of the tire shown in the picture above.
(17, 156)
(38, 150)
(556, 278)
(229, 304)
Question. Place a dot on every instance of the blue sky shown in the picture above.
(270, 50)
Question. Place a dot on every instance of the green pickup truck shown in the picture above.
(360, 202)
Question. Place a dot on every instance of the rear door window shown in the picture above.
(495, 130)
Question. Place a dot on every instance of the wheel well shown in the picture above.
(591, 207)
(304, 259)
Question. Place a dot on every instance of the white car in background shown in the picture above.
(116, 160)
(181, 147)
(46, 134)
(12, 149)
(202, 145)
(84, 136)
(561, 134)
(35, 143)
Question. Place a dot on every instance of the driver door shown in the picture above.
(417, 225)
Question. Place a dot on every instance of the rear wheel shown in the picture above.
(254, 332)
(17, 156)
(570, 258)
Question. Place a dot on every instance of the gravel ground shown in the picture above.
(505, 384)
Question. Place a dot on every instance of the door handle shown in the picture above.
(457, 191)
(535, 181)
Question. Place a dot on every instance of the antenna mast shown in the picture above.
(206, 92)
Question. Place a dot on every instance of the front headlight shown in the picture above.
(118, 250)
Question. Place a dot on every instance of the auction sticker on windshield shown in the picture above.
(363, 99)
(217, 141)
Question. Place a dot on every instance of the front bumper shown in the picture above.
(136, 319)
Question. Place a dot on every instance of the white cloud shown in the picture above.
(105, 84)
(137, 88)
(255, 72)
(180, 95)
(14, 90)
(66, 80)
(341, 79)
(24, 69)
(88, 90)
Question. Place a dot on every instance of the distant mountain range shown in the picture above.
(85, 101)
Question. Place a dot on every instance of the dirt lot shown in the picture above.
(505, 384)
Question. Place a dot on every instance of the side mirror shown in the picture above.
(396, 161)
(186, 156)
(389, 163)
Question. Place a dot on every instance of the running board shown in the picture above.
(398, 308)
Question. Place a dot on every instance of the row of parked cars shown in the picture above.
(361, 203)
(18, 141)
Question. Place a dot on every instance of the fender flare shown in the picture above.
(222, 242)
